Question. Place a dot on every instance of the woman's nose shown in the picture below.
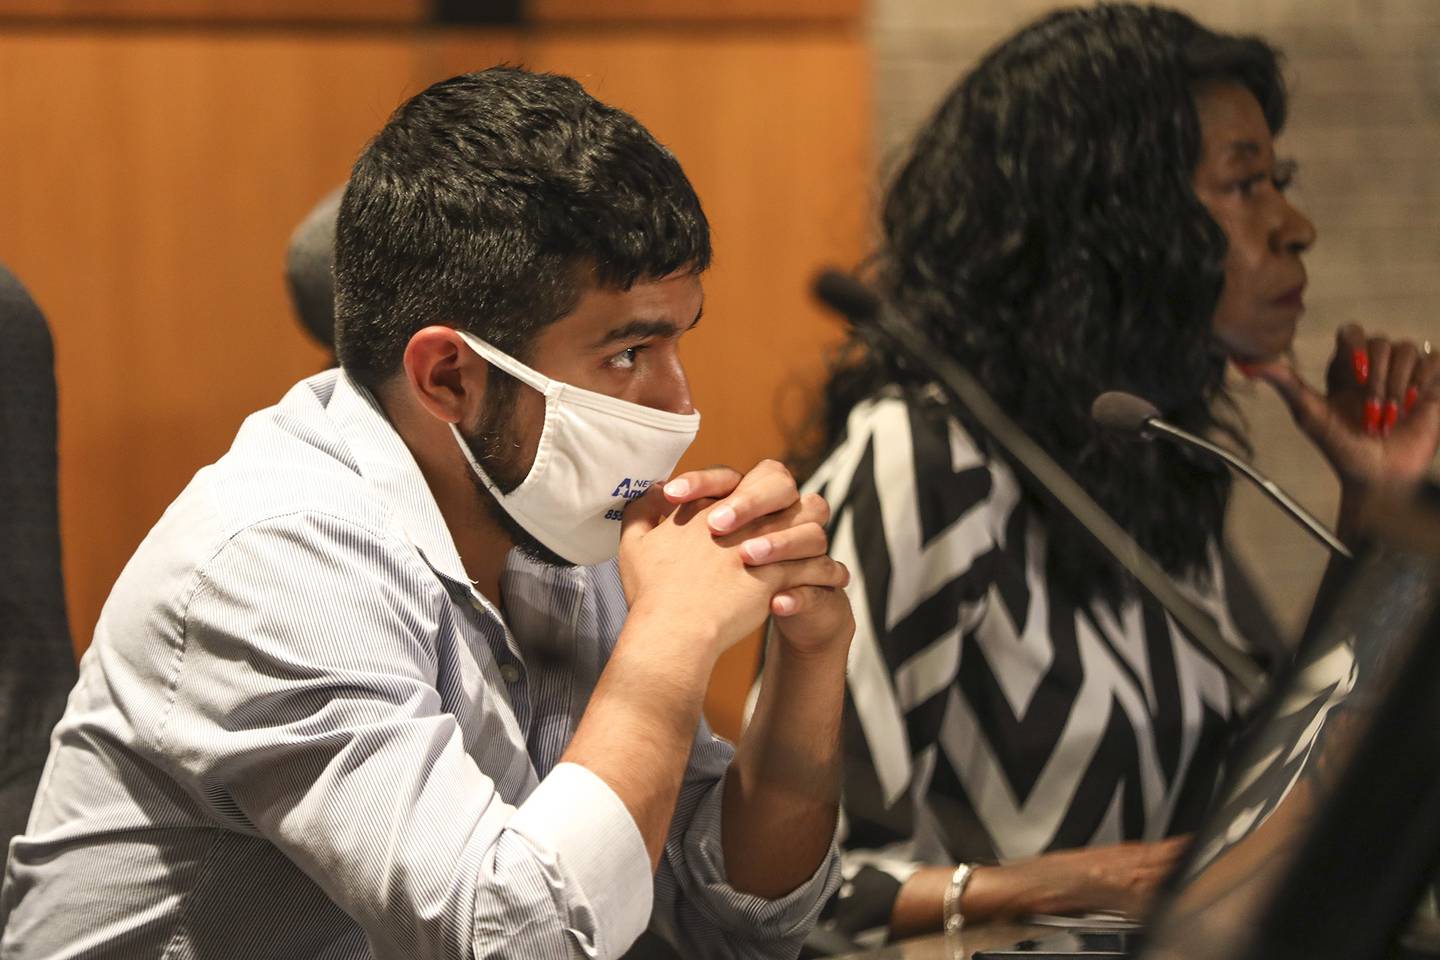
(1296, 233)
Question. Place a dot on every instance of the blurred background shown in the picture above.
(156, 156)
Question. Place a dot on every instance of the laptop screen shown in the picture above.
(1287, 763)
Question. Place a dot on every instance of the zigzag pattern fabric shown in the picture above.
(991, 718)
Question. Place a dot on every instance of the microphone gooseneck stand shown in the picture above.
(869, 315)
(1127, 413)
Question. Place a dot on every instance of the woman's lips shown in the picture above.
(1293, 299)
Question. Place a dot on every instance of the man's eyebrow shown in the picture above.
(643, 329)
(637, 330)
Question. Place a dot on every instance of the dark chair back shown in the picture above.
(37, 661)
(309, 263)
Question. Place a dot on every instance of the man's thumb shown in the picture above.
(644, 513)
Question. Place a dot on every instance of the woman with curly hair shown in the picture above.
(1096, 206)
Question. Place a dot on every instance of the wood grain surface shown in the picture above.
(150, 179)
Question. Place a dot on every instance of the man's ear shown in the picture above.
(444, 375)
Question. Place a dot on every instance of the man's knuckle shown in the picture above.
(816, 505)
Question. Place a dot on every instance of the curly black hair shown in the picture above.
(1044, 230)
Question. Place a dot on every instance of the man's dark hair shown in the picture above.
(1045, 231)
(489, 202)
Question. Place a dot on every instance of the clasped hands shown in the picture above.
(720, 551)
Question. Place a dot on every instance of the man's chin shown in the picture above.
(524, 541)
(508, 478)
(533, 549)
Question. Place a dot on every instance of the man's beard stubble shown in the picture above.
(497, 450)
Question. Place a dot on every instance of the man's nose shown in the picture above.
(672, 389)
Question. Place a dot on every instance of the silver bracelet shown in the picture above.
(950, 906)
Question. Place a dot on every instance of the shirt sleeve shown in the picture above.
(696, 908)
(305, 709)
(915, 505)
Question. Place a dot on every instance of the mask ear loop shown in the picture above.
(475, 464)
(554, 389)
(537, 381)
(496, 357)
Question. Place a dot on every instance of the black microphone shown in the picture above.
(1127, 413)
(871, 317)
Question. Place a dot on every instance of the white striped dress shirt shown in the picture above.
(301, 733)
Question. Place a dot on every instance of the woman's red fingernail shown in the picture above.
(1248, 369)
(1411, 396)
(1372, 416)
(1362, 367)
(1392, 416)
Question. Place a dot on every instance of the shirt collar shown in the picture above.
(388, 466)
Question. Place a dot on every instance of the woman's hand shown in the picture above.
(1120, 878)
(1379, 420)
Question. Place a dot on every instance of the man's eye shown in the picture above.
(626, 358)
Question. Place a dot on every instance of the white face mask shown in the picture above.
(596, 453)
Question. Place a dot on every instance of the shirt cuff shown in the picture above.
(791, 915)
(576, 814)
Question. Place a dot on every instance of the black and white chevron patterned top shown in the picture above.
(991, 718)
(301, 733)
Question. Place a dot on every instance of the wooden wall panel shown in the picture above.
(774, 133)
(149, 182)
(220, 11)
(689, 11)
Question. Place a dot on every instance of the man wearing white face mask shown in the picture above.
(376, 685)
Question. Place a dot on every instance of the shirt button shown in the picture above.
(510, 672)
